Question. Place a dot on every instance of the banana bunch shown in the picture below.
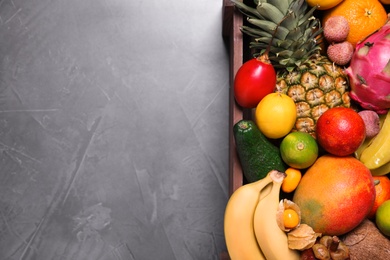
(272, 240)
(250, 225)
(375, 154)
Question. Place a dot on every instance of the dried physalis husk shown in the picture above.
(283, 205)
(303, 237)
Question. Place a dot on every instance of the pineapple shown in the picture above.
(291, 35)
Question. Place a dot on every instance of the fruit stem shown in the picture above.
(243, 125)
(277, 176)
(342, 252)
(337, 249)
(274, 34)
(334, 244)
(264, 58)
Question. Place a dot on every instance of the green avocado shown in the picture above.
(257, 155)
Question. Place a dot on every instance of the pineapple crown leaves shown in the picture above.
(286, 28)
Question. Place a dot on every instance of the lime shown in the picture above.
(382, 218)
(299, 150)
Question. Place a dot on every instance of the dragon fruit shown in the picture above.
(369, 71)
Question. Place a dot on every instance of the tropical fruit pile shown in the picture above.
(316, 152)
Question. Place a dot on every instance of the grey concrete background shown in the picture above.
(113, 129)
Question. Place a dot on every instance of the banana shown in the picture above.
(238, 220)
(383, 170)
(272, 240)
(362, 147)
(377, 153)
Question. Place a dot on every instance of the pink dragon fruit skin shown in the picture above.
(369, 71)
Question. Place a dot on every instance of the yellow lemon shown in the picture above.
(275, 115)
(323, 4)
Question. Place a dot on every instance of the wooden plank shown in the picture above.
(227, 17)
(236, 113)
(232, 21)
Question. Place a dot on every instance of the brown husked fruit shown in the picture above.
(367, 242)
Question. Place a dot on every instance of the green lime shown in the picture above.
(382, 218)
(299, 150)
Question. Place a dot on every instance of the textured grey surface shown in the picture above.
(113, 129)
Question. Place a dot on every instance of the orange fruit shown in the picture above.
(335, 194)
(364, 17)
(382, 193)
(290, 218)
(340, 131)
(292, 180)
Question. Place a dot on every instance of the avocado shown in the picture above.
(257, 155)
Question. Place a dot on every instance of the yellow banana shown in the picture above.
(362, 147)
(383, 170)
(238, 221)
(272, 240)
(377, 153)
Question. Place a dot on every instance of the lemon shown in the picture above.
(275, 115)
(299, 150)
(382, 218)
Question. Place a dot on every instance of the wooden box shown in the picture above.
(232, 20)
(237, 42)
(239, 53)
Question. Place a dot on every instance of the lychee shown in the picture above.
(371, 121)
(336, 29)
(340, 53)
